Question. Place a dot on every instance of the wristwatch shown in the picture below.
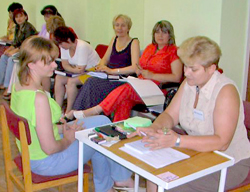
(178, 141)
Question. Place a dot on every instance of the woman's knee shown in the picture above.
(10, 60)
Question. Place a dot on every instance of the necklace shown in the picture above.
(196, 96)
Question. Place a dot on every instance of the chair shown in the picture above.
(245, 185)
(101, 50)
(18, 171)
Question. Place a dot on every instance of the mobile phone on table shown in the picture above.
(110, 131)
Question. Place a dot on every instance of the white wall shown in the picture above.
(224, 21)
(233, 40)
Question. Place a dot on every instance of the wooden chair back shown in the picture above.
(18, 171)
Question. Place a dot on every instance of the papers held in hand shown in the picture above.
(158, 158)
(5, 43)
(103, 75)
(66, 73)
(149, 92)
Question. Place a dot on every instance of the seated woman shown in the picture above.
(9, 37)
(209, 108)
(120, 58)
(159, 62)
(53, 23)
(23, 30)
(47, 12)
(52, 153)
(77, 56)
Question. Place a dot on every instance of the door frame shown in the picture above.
(247, 57)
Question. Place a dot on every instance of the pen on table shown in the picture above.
(133, 127)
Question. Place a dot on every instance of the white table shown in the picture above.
(198, 165)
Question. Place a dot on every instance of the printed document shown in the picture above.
(158, 158)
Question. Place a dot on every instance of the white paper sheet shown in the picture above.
(158, 158)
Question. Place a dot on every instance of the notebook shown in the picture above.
(138, 146)
(158, 158)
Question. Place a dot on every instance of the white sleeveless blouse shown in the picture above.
(240, 146)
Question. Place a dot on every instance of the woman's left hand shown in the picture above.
(74, 126)
(147, 74)
(103, 68)
(159, 139)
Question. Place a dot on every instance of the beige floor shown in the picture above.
(67, 188)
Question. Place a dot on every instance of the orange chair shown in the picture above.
(18, 171)
(245, 185)
(101, 50)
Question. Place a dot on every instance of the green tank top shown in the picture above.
(23, 104)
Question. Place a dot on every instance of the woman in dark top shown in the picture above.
(23, 30)
(121, 57)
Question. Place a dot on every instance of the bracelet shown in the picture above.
(178, 141)
(78, 114)
(118, 71)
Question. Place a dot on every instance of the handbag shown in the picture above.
(169, 97)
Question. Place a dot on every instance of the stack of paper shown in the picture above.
(158, 158)
(98, 74)
(138, 147)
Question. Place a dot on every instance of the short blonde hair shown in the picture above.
(125, 18)
(54, 22)
(201, 49)
(34, 49)
(165, 26)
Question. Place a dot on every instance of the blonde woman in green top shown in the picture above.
(54, 150)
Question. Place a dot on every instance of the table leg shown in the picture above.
(80, 167)
(160, 189)
(137, 182)
(223, 175)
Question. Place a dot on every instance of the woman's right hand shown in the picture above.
(140, 130)
(70, 129)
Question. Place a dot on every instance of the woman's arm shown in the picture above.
(175, 76)
(104, 61)
(9, 49)
(44, 128)
(225, 115)
(169, 118)
(13, 51)
(73, 69)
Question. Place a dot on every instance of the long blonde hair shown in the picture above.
(34, 49)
